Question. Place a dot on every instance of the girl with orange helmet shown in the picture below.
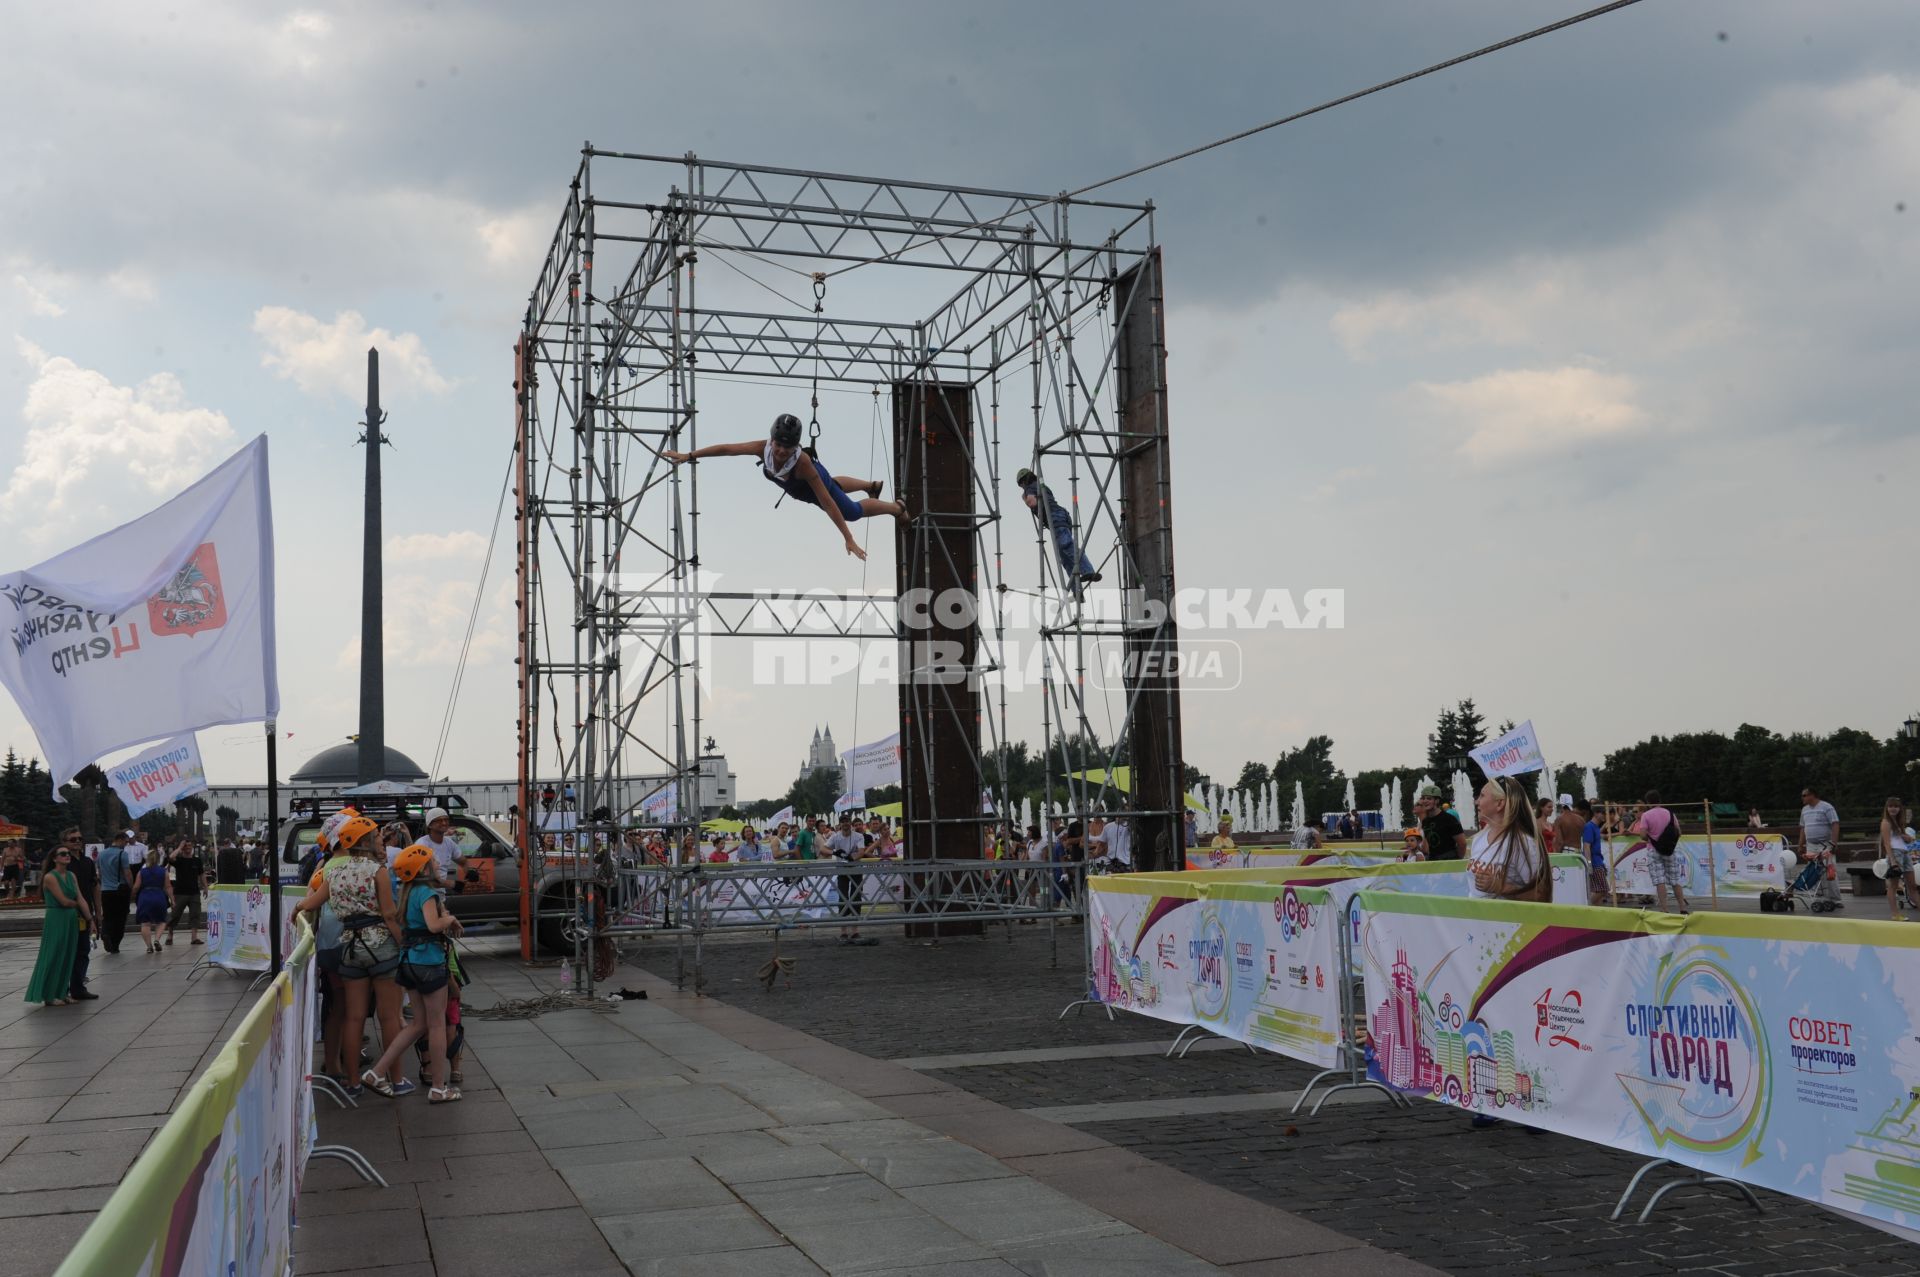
(428, 931)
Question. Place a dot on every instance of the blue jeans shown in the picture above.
(1063, 542)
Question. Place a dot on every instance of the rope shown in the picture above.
(819, 334)
(1381, 87)
(473, 617)
(540, 1004)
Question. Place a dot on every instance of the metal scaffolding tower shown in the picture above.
(670, 276)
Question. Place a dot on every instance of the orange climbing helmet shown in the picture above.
(352, 830)
(412, 862)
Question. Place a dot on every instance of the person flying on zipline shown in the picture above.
(786, 464)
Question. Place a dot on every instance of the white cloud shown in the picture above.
(133, 284)
(1525, 413)
(426, 623)
(514, 241)
(92, 447)
(425, 546)
(331, 358)
(38, 300)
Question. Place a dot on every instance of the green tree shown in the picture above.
(814, 793)
(1444, 744)
(1469, 726)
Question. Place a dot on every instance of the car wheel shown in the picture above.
(551, 925)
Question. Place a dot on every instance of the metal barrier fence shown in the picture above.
(691, 902)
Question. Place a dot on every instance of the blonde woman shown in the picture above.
(1895, 851)
(1505, 853)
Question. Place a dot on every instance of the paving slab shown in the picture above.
(698, 1230)
(628, 1188)
(517, 1243)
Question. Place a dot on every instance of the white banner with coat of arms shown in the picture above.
(163, 625)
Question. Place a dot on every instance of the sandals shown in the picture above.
(454, 1077)
(377, 1084)
(443, 1094)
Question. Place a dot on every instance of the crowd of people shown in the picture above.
(91, 895)
(384, 947)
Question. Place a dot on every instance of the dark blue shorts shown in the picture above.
(800, 490)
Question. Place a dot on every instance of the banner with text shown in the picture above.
(1509, 755)
(217, 1187)
(662, 805)
(1243, 954)
(237, 926)
(1737, 863)
(1774, 1050)
(1288, 857)
(160, 777)
(872, 766)
(1249, 961)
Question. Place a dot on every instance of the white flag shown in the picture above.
(159, 777)
(162, 626)
(855, 801)
(872, 766)
(661, 806)
(1510, 755)
(782, 817)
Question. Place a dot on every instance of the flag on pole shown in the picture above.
(1513, 754)
(159, 777)
(782, 817)
(662, 805)
(162, 626)
(873, 765)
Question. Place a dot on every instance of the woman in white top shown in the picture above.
(1505, 854)
(786, 464)
(1895, 851)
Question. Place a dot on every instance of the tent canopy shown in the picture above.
(720, 825)
(384, 789)
(890, 811)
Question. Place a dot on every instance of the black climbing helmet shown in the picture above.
(786, 430)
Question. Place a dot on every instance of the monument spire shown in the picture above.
(373, 714)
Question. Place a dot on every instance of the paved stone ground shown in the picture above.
(1420, 1183)
(677, 1135)
(83, 1087)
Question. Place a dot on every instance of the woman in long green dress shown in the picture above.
(59, 933)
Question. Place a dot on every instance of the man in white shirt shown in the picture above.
(845, 845)
(136, 851)
(1819, 831)
(446, 850)
(1115, 847)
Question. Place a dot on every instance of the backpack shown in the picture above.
(1669, 838)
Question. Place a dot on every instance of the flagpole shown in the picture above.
(273, 846)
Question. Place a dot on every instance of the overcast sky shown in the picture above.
(1587, 370)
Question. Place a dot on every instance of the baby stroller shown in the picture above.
(1802, 892)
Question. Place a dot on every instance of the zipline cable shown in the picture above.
(1586, 16)
(473, 616)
